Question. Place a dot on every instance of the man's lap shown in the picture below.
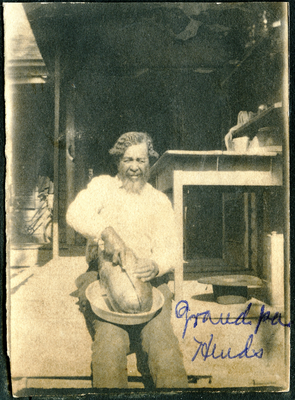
(154, 343)
(154, 331)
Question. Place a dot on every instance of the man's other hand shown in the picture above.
(114, 246)
(146, 269)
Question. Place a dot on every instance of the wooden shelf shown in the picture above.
(270, 117)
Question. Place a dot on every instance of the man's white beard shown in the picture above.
(134, 186)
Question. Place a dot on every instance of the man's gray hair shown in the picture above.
(130, 139)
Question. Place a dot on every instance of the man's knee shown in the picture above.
(167, 369)
(166, 356)
(109, 356)
(110, 338)
(165, 359)
(159, 335)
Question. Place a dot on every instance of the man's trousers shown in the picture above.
(154, 342)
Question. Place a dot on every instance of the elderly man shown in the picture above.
(127, 212)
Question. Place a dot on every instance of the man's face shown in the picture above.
(134, 167)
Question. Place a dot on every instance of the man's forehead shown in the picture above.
(137, 151)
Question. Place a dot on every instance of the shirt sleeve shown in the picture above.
(166, 243)
(83, 214)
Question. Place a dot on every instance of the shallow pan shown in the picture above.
(98, 301)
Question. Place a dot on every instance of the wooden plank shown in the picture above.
(55, 238)
(230, 178)
(274, 259)
(246, 238)
(265, 118)
(192, 159)
(223, 227)
(70, 165)
(178, 210)
(253, 232)
(165, 179)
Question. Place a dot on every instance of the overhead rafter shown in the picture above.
(202, 36)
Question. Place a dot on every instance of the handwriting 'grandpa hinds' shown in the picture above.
(182, 309)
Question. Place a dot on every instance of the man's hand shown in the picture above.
(114, 246)
(146, 269)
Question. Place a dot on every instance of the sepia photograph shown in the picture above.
(147, 197)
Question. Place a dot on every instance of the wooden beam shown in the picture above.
(247, 250)
(178, 210)
(70, 160)
(55, 238)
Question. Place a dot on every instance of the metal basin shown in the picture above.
(99, 304)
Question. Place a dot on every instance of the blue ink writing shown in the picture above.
(265, 316)
(182, 309)
(207, 350)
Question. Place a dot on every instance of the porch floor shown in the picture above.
(49, 345)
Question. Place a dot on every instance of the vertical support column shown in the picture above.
(253, 233)
(70, 165)
(247, 231)
(223, 227)
(178, 209)
(55, 238)
(274, 255)
(260, 234)
(286, 184)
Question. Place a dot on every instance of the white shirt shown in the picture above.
(144, 221)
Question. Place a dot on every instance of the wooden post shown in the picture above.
(70, 162)
(286, 185)
(178, 210)
(253, 237)
(247, 250)
(55, 238)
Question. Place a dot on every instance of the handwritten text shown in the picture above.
(182, 311)
(207, 350)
